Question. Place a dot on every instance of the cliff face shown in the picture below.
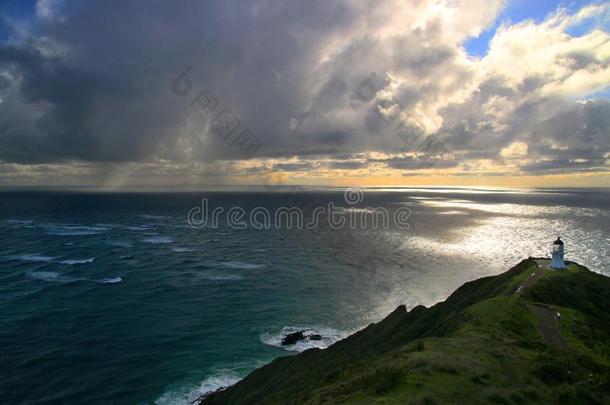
(530, 335)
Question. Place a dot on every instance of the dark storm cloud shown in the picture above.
(564, 165)
(105, 95)
(95, 85)
(348, 165)
(93, 82)
(418, 163)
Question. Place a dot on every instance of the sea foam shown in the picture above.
(78, 261)
(190, 395)
(113, 280)
(329, 336)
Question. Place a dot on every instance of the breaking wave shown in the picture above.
(190, 395)
(78, 261)
(329, 336)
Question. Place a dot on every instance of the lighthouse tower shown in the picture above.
(557, 253)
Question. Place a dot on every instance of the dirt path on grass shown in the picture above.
(531, 280)
(547, 322)
(533, 277)
(547, 325)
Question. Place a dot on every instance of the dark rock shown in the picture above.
(315, 337)
(293, 338)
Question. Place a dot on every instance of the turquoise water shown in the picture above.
(113, 298)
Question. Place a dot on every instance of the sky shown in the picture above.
(126, 95)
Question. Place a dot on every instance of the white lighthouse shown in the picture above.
(557, 253)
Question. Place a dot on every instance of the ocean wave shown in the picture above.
(44, 275)
(240, 265)
(74, 230)
(190, 395)
(73, 233)
(35, 258)
(329, 336)
(182, 249)
(113, 280)
(147, 216)
(158, 240)
(19, 221)
(142, 228)
(53, 276)
(78, 261)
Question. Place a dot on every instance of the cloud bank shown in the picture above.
(86, 90)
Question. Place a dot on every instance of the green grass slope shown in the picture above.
(484, 344)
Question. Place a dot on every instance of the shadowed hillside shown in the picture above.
(530, 335)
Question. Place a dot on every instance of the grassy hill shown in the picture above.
(494, 340)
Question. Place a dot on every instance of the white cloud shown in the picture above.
(566, 65)
(514, 150)
(48, 9)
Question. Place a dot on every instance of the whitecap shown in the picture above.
(189, 395)
(329, 336)
(158, 240)
(182, 249)
(241, 265)
(113, 280)
(36, 258)
(74, 230)
(78, 261)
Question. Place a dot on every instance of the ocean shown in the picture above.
(121, 298)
